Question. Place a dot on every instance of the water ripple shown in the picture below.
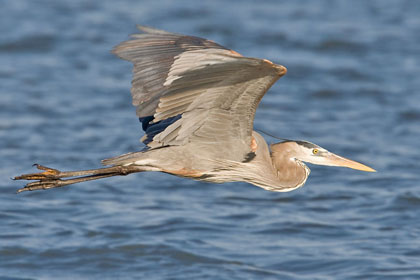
(351, 86)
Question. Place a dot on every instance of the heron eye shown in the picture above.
(315, 151)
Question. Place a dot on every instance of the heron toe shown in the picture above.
(47, 174)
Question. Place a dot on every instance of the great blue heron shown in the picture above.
(196, 101)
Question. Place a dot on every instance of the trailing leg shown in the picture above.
(52, 178)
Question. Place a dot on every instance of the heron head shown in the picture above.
(308, 152)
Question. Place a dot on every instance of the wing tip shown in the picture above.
(119, 49)
(151, 30)
(281, 70)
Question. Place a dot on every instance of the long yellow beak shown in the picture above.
(336, 160)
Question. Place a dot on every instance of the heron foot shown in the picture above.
(53, 178)
(47, 179)
(41, 185)
(49, 173)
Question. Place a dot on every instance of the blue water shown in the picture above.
(352, 87)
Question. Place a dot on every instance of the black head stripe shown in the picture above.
(306, 144)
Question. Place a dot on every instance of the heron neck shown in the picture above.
(275, 170)
(291, 173)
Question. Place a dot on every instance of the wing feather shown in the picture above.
(208, 92)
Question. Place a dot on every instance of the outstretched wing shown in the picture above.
(188, 89)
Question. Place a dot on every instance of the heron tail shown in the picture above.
(125, 159)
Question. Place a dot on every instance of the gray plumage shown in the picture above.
(197, 101)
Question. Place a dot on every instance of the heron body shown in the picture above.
(196, 101)
(259, 169)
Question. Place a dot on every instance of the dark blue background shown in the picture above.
(352, 87)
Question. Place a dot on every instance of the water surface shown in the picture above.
(352, 87)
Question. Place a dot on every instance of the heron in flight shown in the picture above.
(196, 101)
